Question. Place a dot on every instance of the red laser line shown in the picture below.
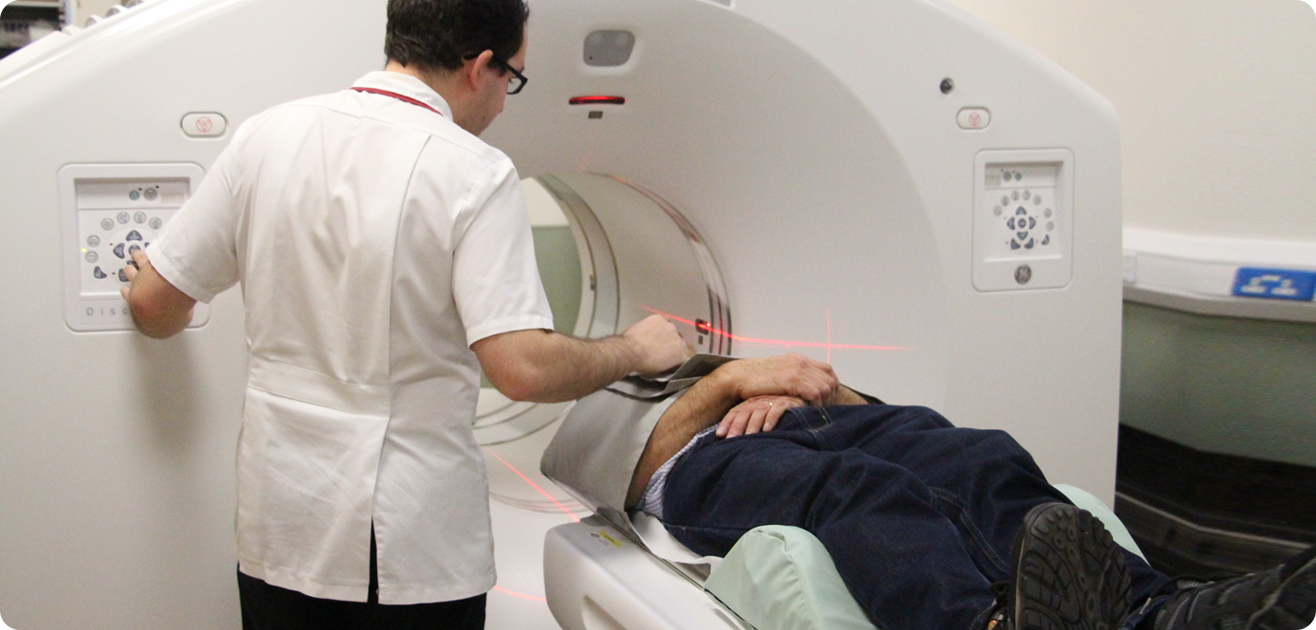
(829, 334)
(533, 484)
(774, 342)
(516, 594)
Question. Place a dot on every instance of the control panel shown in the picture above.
(110, 211)
(1022, 221)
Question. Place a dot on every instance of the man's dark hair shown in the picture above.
(443, 34)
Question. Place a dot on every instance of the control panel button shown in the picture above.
(92, 257)
(107, 224)
(140, 217)
(204, 124)
(118, 250)
(155, 223)
(98, 274)
(93, 241)
(133, 236)
(973, 118)
(123, 218)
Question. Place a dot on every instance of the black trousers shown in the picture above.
(267, 607)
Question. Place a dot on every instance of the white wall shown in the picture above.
(1217, 104)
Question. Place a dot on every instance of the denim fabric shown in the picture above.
(918, 515)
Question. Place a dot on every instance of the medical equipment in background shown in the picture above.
(886, 184)
(23, 21)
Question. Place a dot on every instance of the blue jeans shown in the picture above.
(918, 515)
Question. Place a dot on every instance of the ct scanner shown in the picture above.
(889, 185)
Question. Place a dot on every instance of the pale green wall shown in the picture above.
(559, 269)
(1224, 385)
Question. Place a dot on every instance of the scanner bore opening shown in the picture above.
(594, 236)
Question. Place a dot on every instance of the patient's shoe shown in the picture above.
(1067, 573)
(1282, 598)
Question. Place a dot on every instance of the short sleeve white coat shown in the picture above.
(374, 240)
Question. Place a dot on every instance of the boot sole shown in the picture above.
(1069, 572)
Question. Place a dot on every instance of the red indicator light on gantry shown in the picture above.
(598, 100)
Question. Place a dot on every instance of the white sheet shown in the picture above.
(662, 544)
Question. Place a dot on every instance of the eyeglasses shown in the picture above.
(518, 80)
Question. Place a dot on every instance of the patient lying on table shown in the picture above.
(930, 525)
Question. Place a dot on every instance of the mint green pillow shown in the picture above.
(781, 578)
(1082, 498)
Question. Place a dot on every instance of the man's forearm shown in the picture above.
(847, 396)
(556, 368)
(159, 309)
(544, 366)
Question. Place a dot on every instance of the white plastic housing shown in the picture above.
(809, 145)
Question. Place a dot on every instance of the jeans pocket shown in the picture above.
(812, 419)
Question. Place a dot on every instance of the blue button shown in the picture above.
(1275, 284)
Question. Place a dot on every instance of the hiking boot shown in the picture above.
(1293, 604)
(998, 616)
(1282, 598)
(1067, 573)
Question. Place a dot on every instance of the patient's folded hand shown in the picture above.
(756, 414)
(790, 375)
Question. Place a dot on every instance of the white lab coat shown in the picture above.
(375, 241)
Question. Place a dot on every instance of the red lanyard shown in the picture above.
(404, 99)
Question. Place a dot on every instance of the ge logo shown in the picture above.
(204, 124)
(1023, 274)
(975, 120)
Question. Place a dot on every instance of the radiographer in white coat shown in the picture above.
(385, 256)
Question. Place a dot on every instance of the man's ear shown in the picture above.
(473, 71)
